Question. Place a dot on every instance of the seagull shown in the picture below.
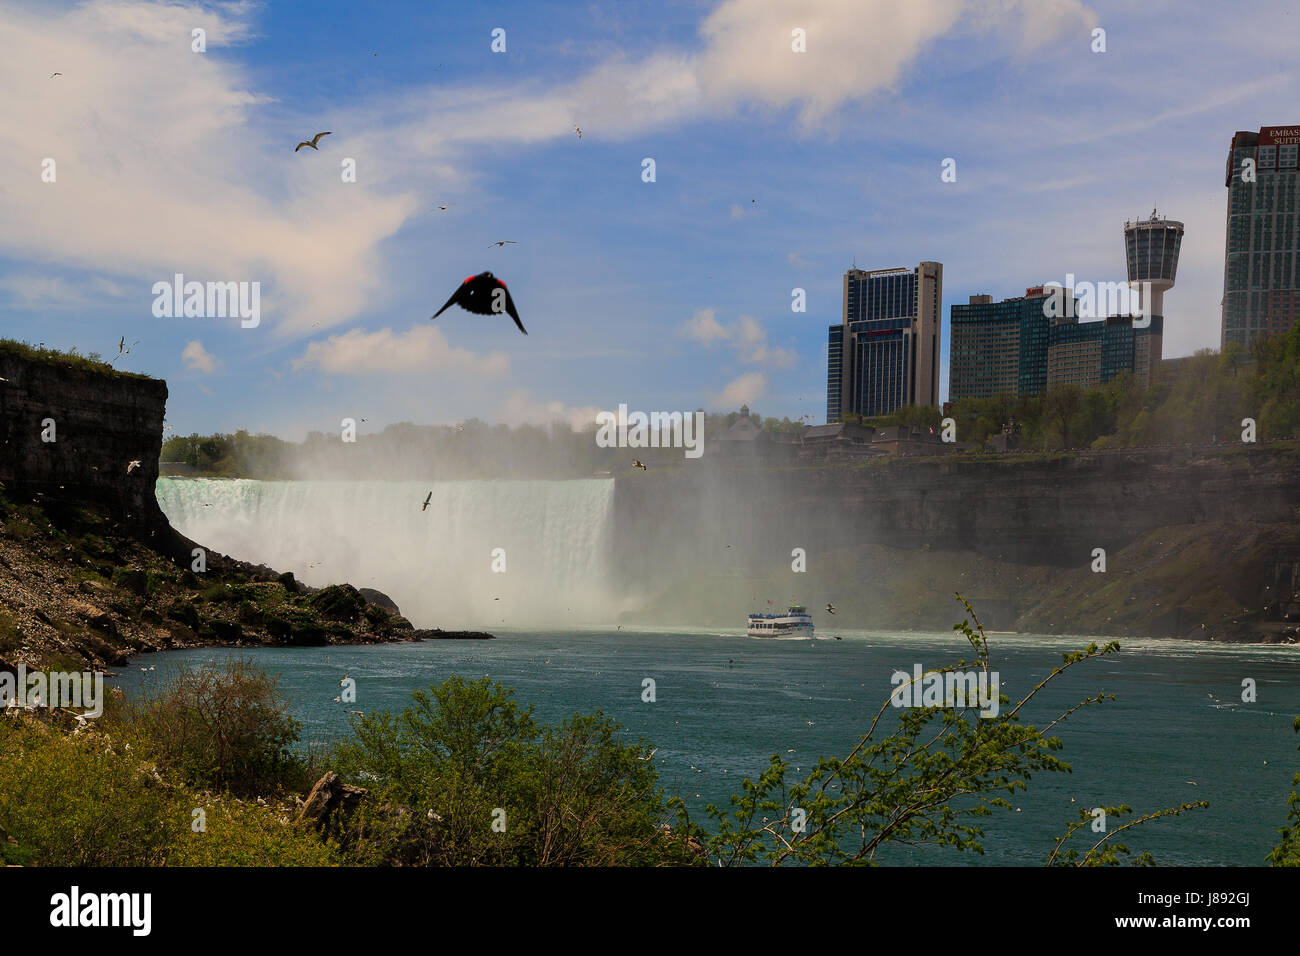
(1192, 782)
(636, 463)
(578, 129)
(312, 142)
(830, 608)
(357, 712)
(503, 242)
(132, 466)
(124, 349)
(53, 75)
(649, 755)
(443, 207)
(344, 680)
(338, 700)
(428, 498)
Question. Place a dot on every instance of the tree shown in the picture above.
(1061, 403)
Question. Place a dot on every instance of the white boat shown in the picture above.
(795, 622)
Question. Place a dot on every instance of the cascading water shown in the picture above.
(437, 564)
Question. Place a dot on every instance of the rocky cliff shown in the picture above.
(70, 430)
(1191, 536)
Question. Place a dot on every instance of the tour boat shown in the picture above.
(796, 622)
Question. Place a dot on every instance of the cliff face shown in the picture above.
(892, 540)
(100, 421)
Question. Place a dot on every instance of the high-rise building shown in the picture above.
(998, 348)
(884, 353)
(1261, 267)
(1088, 354)
(1016, 348)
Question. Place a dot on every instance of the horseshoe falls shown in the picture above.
(437, 564)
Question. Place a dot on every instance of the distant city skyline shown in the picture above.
(999, 139)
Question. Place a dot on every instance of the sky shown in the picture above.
(775, 169)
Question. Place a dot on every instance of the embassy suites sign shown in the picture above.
(1279, 135)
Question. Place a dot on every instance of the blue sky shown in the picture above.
(775, 170)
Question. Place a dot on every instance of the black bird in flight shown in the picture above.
(479, 294)
(311, 142)
(426, 501)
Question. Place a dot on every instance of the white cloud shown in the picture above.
(703, 326)
(521, 408)
(158, 166)
(199, 359)
(746, 335)
(421, 349)
(743, 390)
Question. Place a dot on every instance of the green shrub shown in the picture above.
(572, 794)
(244, 834)
(222, 725)
(75, 801)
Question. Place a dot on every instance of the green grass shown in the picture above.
(69, 359)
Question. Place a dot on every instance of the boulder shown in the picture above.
(380, 599)
(340, 602)
(134, 580)
(329, 800)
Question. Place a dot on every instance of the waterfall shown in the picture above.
(437, 564)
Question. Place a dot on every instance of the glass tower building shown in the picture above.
(1261, 268)
(884, 353)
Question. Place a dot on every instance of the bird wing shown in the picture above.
(316, 139)
(300, 146)
(510, 308)
(454, 296)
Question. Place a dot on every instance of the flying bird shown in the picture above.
(636, 463)
(503, 242)
(578, 129)
(830, 608)
(443, 207)
(312, 142)
(53, 75)
(132, 466)
(478, 294)
(124, 349)
(425, 506)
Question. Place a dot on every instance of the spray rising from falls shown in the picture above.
(437, 564)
